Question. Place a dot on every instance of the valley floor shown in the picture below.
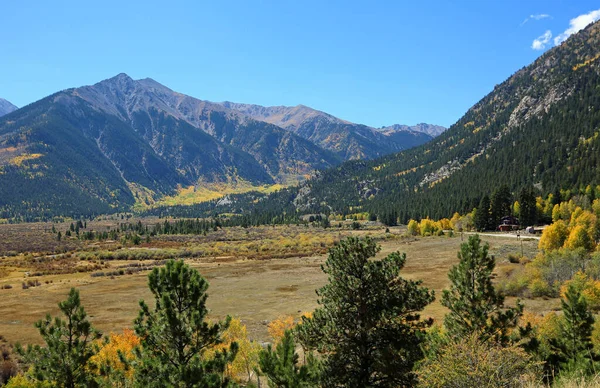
(256, 289)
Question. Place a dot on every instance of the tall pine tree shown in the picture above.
(475, 306)
(482, 219)
(368, 326)
(500, 206)
(64, 359)
(573, 351)
(174, 335)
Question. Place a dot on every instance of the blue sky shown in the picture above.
(370, 62)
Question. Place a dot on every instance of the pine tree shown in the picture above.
(368, 326)
(573, 349)
(528, 213)
(174, 335)
(556, 197)
(283, 369)
(475, 306)
(500, 205)
(482, 214)
(64, 359)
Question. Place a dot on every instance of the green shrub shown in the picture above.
(469, 362)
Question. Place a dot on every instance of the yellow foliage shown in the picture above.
(564, 211)
(445, 224)
(21, 381)
(517, 208)
(556, 213)
(108, 355)
(413, 228)
(246, 360)
(588, 220)
(585, 63)
(579, 238)
(454, 220)
(554, 236)
(18, 160)
(550, 326)
(197, 194)
(596, 207)
(589, 288)
(307, 314)
(429, 227)
(547, 326)
(278, 327)
(575, 215)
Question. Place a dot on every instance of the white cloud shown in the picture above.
(541, 41)
(577, 24)
(538, 16)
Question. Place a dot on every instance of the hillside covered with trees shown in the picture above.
(538, 129)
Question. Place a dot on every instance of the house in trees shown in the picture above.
(508, 223)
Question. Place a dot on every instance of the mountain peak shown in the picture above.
(122, 76)
(119, 79)
(6, 107)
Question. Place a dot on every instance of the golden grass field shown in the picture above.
(258, 279)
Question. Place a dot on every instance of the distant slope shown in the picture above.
(346, 139)
(540, 127)
(6, 107)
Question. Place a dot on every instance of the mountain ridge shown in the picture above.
(430, 129)
(347, 139)
(126, 98)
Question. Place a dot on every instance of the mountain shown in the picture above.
(6, 107)
(430, 129)
(101, 148)
(144, 104)
(346, 139)
(540, 128)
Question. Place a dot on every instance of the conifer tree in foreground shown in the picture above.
(573, 350)
(64, 359)
(174, 335)
(475, 306)
(367, 328)
(282, 367)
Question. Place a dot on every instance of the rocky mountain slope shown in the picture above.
(539, 128)
(346, 139)
(145, 103)
(6, 107)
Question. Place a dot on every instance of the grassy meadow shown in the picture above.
(256, 274)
